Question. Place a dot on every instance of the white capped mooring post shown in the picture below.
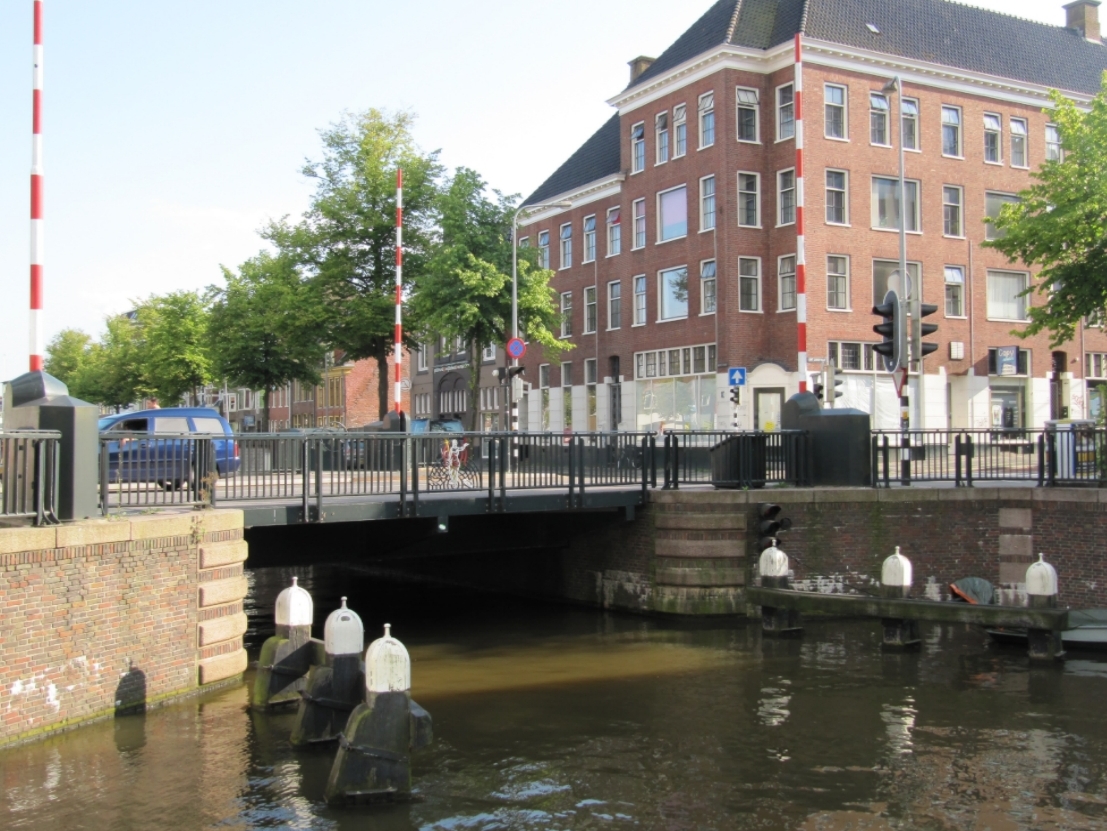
(287, 656)
(896, 575)
(332, 691)
(774, 568)
(373, 763)
(1041, 593)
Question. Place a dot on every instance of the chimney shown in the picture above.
(642, 63)
(1083, 16)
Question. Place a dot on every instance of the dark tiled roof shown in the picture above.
(598, 157)
(706, 33)
(766, 23)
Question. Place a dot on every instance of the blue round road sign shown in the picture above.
(516, 348)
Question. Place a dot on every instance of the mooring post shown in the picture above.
(287, 656)
(895, 582)
(332, 691)
(773, 567)
(1041, 593)
(373, 763)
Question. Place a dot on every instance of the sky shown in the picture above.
(173, 131)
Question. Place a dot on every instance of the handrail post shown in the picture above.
(491, 474)
(39, 487)
(653, 461)
(104, 478)
(305, 477)
(213, 471)
(319, 480)
(404, 450)
(676, 461)
(580, 470)
(887, 461)
(970, 456)
(905, 458)
(873, 461)
(645, 457)
(507, 459)
(572, 473)
(1051, 454)
(1041, 459)
(957, 461)
(414, 476)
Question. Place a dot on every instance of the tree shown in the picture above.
(112, 373)
(176, 351)
(347, 240)
(465, 291)
(268, 320)
(1060, 224)
(66, 355)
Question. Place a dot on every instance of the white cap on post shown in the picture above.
(1041, 578)
(294, 606)
(773, 562)
(387, 665)
(896, 571)
(343, 633)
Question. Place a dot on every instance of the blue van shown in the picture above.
(163, 454)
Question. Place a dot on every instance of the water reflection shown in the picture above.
(555, 718)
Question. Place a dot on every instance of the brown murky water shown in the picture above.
(554, 718)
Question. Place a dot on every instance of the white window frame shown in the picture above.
(918, 207)
(591, 311)
(566, 314)
(1025, 137)
(844, 107)
(848, 307)
(639, 224)
(421, 366)
(705, 108)
(638, 284)
(637, 148)
(591, 374)
(917, 148)
(845, 196)
(714, 282)
(589, 239)
(755, 109)
(680, 130)
(488, 353)
(757, 197)
(998, 132)
(615, 232)
(960, 205)
(865, 354)
(960, 125)
(1025, 300)
(961, 294)
(613, 303)
(780, 189)
(913, 266)
(1054, 132)
(544, 250)
(661, 293)
(760, 286)
(780, 277)
(661, 137)
(543, 376)
(1009, 198)
(566, 374)
(887, 115)
(660, 218)
(779, 108)
(566, 246)
(714, 204)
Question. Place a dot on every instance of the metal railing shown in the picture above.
(29, 475)
(153, 470)
(1045, 457)
(736, 460)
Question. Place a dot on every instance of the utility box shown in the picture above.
(840, 440)
(1074, 451)
(38, 401)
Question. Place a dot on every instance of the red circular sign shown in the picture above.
(516, 348)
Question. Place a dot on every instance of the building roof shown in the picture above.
(937, 31)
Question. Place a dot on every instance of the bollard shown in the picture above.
(895, 582)
(773, 567)
(332, 691)
(288, 655)
(373, 763)
(1041, 591)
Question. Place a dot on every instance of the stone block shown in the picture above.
(93, 532)
(1015, 518)
(163, 525)
(222, 628)
(835, 496)
(15, 540)
(699, 548)
(729, 521)
(907, 494)
(222, 667)
(701, 576)
(1086, 495)
(223, 519)
(218, 592)
(790, 496)
(216, 554)
(1012, 572)
(712, 497)
(1016, 545)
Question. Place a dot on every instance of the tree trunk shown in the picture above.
(268, 396)
(474, 385)
(382, 380)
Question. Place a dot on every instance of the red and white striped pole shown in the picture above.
(801, 246)
(397, 357)
(37, 238)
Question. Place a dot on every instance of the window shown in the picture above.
(749, 284)
(422, 365)
(886, 203)
(785, 113)
(489, 353)
(786, 281)
(544, 249)
(749, 198)
(638, 148)
(1053, 143)
(1022, 363)
(883, 271)
(589, 238)
(955, 291)
(1004, 290)
(639, 223)
(544, 376)
(747, 100)
(640, 300)
(707, 119)
(786, 197)
(834, 101)
(1018, 142)
(661, 128)
(590, 371)
(850, 356)
(951, 131)
(951, 211)
(909, 108)
(614, 232)
(672, 293)
(567, 374)
(707, 203)
(1095, 365)
(878, 118)
(707, 287)
(836, 213)
(993, 137)
(694, 360)
(680, 130)
(672, 214)
(589, 310)
(566, 245)
(993, 204)
(614, 305)
(837, 282)
(566, 314)
(524, 242)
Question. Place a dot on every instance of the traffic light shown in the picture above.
(818, 387)
(736, 395)
(893, 351)
(925, 349)
(770, 524)
(504, 374)
(833, 383)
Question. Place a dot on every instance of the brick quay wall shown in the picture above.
(114, 615)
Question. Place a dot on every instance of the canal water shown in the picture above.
(548, 717)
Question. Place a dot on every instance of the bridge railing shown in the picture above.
(727, 459)
(29, 475)
(155, 470)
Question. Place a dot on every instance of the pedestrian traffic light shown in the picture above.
(736, 395)
(818, 386)
(893, 350)
(834, 383)
(925, 329)
(770, 524)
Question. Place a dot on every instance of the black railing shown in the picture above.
(29, 475)
(736, 460)
(154, 470)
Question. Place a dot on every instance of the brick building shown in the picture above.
(741, 210)
(440, 385)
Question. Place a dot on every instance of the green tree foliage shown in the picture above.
(267, 322)
(112, 374)
(465, 290)
(176, 346)
(67, 355)
(347, 239)
(1061, 224)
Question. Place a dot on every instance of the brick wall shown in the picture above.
(109, 614)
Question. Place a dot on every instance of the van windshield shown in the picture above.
(208, 425)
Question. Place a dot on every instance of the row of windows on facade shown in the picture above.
(674, 290)
(456, 401)
(671, 127)
(455, 349)
(672, 212)
(653, 363)
(854, 356)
